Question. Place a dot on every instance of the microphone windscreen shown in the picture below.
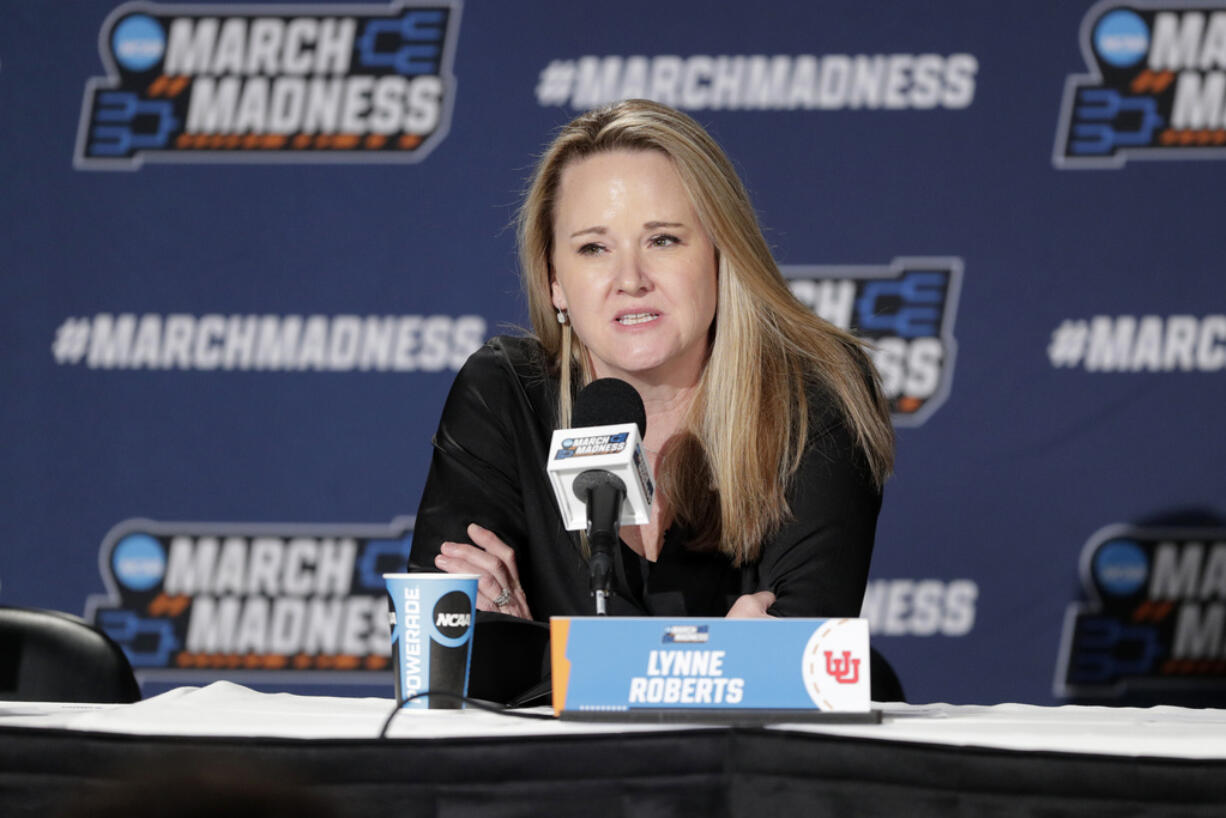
(607, 401)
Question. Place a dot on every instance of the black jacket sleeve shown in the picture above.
(474, 471)
(817, 564)
(488, 468)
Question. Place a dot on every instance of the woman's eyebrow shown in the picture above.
(601, 229)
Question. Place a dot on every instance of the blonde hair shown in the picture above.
(726, 475)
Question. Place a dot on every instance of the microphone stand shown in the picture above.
(604, 500)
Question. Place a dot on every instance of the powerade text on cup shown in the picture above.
(431, 618)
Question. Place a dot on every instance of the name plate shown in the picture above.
(648, 665)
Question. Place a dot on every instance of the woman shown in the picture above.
(766, 429)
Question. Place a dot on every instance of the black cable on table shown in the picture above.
(477, 704)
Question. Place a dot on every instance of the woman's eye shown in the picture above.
(664, 241)
(590, 249)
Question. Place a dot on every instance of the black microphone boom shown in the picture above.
(603, 493)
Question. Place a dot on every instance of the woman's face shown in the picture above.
(634, 268)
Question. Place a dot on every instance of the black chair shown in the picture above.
(57, 657)
(885, 684)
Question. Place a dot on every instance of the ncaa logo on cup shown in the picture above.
(453, 614)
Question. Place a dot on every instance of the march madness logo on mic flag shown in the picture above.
(270, 83)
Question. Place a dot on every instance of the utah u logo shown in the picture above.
(846, 671)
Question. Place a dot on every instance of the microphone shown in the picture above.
(599, 473)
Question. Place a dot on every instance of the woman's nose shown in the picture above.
(632, 276)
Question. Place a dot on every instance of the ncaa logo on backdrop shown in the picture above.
(252, 600)
(270, 83)
(1157, 87)
(906, 311)
(1155, 618)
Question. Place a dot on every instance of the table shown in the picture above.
(921, 760)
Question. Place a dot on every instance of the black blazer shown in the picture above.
(489, 468)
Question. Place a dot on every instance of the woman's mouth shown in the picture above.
(630, 319)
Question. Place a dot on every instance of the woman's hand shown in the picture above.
(752, 606)
(498, 589)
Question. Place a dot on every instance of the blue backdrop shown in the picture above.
(245, 248)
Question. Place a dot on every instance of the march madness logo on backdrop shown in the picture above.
(1155, 619)
(274, 83)
(251, 600)
(906, 310)
(1157, 87)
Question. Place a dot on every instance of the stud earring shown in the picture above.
(562, 316)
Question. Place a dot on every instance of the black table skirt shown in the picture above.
(750, 772)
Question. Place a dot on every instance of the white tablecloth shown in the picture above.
(228, 709)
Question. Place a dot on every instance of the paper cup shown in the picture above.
(432, 617)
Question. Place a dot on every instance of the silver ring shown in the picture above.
(503, 598)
